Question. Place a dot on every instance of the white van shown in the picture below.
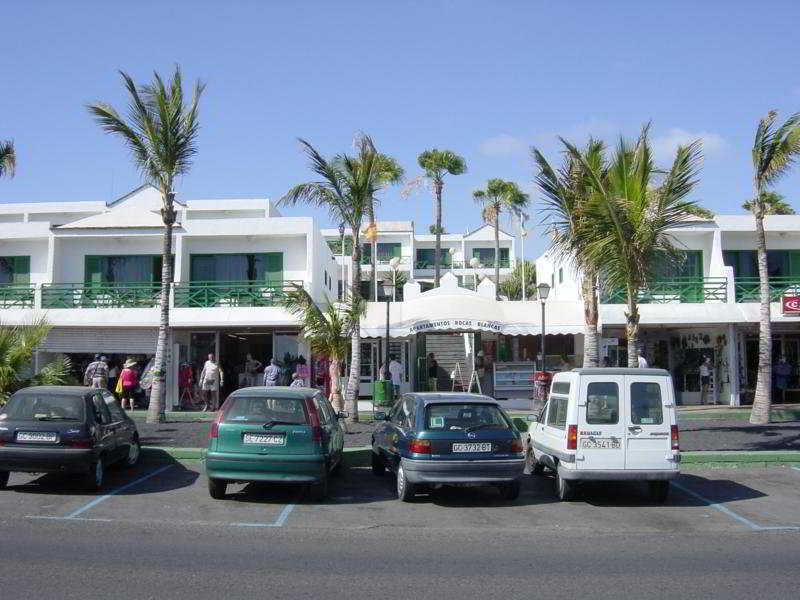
(607, 425)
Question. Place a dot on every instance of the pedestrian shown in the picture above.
(433, 373)
(705, 379)
(251, 369)
(211, 382)
(782, 371)
(271, 373)
(642, 359)
(396, 371)
(96, 374)
(113, 374)
(129, 382)
(297, 381)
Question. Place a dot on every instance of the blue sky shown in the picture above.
(485, 79)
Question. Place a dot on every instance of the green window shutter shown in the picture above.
(504, 254)
(22, 270)
(396, 249)
(794, 263)
(157, 264)
(93, 272)
(694, 264)
(274, 267)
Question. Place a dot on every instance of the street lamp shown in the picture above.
(451, 251)
(394, 263)
(475, 263)
(341, 237)
(544, 291)
(523, 235)
(388, 291)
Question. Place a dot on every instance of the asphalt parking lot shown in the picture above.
(174, 494)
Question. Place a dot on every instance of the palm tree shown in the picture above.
(774, 204)
(347, 188)
(701, 212)
(8, 158)
(160, 130)
(775, 148)
(630, 217)
(437, 163)
(327, 330)
(567, 199)
(18, 344)
(511, 288)
(498, 197)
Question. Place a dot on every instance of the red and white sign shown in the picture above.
(791, 305)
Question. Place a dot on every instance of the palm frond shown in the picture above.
(8, 158)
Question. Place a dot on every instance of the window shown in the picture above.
(780, 263)
(560, 275)
(261, 409)
(237, 267)
(646, 404)
(486, 256)
(28, 406)
(552, 280)
(398, 416)
(387, 252)
(122, 269)
(325, 416)
(117, 414)
(425, 257)
(561, 387)
(15, 270)
(688, 264)
(602, 403)
(457, 417)
(557, 415)
(100, 408)
(329, 409)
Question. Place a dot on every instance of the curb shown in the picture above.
(740, 457)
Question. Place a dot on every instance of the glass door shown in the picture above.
(369, 351)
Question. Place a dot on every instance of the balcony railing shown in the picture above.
(202, 294)
(747, 288)
(457, 264)
(17, 296)
(682, 290)
(100, 295)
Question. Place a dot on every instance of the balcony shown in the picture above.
(101, 295)
(747, 288)
(17, 296)
(678, 290)
(204, 294)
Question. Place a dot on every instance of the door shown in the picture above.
(107, 436)
(648, 420)
(124, 429)
(601, 423)
(337, 435)
(397, 430)
(369, 354)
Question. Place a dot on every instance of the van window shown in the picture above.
(561, 387)
(557, 415)
(646, 404)
(602, 403)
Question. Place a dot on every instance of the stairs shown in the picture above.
(448, 350)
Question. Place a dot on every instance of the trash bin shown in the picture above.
(541, 388)
(382, 393)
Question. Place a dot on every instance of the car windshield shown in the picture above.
(44, 407)
(263, 409)
(449, 417)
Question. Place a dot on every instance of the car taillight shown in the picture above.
(79, 443)
(674, 437)
(420, 446)
(313, 417)
(572, 437)
(516, 445)
(214, 431)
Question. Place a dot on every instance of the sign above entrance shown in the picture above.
(791, 305)
(455, 325)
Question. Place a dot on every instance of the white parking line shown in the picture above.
(279, 522)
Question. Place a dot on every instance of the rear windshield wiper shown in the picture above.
(269, 424)
(483, 426)
(56, 419)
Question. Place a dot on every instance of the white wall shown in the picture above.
(36, 249)
(746, 240)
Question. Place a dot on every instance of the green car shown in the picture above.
(276, 435)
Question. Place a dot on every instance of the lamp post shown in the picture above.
(544, 291)
(523, 234)
(388, 291)
(394, 263)
(451, 251)
(475, 263)
(341, 237)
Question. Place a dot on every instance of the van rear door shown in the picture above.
(601, 423)
(650, 413)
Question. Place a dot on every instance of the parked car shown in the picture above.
(65, 429)
(604, 424)
(433, 439)
(280, 435)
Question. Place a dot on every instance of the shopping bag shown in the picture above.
(118, 388)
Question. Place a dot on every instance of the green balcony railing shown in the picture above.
(747, 288)
(17, 295)
(101, 295)
(202, 294)
(684, 290)
(428, 264)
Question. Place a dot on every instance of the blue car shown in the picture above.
(432, 439)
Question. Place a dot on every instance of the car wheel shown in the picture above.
(510, 491)
(378, 468)
(565, 489)
(134, 450)
(319, 491)
(658, 490)
(217, 488)
(4, 479)
(94, 479)
(405, 489)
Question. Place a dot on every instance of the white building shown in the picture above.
(93, 269)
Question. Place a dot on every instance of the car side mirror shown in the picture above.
(343, 414)
(532, 418)
(380, 416)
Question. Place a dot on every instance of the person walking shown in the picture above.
(433, 373)
(113, 375)
(251, 369)
(782, 372)
(705, 379)
(272, 373)
(96, 374)
(642, 359)
(130, 380)
(396, 372)
(211, 382)
(297, 381)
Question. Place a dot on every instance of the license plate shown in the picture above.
(476, 447)
(601, 443)
(36, 436)
(265, 439)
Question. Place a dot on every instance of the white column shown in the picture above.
(733, 366)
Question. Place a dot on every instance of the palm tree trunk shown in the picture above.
(632, 328)
(336, 389)
(497, 252)
(762, 399)
(373, 291)
(590, 316)
(155, 412)
(355, 344)
(436, 259)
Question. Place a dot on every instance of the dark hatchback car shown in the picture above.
(431, 439)
(65, 429)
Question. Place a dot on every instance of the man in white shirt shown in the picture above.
(396, 372)
(705, 379)
(210, 383)
(642, 360)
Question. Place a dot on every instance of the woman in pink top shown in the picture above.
(129, 382)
